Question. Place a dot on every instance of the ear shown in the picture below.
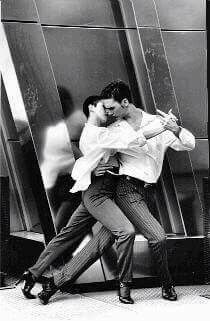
(124, 102)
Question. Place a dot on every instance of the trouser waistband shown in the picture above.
(137, 181)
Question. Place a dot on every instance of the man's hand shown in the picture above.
(170, 122)
(101, 169)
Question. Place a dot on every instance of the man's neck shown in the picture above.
(134, 116)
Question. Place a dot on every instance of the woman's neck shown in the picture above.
(94, 120)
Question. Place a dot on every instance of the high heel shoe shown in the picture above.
(28, 277)
(49, 289)
(124, 294)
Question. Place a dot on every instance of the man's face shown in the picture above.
(113, 108)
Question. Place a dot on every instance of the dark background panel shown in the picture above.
(19, 10)
(199, 155)
(158, 69)
(11, 129)
(84, 61)
(188, 182)
(104, 13)
(186, 53)
(181, 14)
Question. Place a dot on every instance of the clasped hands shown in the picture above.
(169, 121)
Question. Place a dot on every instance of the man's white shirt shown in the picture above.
(146, 164)
(140, 158)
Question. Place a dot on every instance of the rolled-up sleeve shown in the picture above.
(120, 136)
(185, 141)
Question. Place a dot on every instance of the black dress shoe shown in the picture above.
(124, 294)
(169, 293)
(49, 289)
(29, 284)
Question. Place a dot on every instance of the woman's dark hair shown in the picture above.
(91, 100)
(118, 90)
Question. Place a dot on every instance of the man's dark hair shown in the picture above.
(118, 90)
(91, 100)
(66, 101)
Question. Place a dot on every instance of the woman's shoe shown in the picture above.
(124, 294)
(28, 277)
(48, 290)
(169, 293)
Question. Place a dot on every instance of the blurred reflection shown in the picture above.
(57, 162)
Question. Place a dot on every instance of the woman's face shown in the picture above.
(100, 112)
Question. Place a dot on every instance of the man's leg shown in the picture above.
(77, 228)
(130, 199)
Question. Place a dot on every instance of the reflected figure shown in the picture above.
(57, 162)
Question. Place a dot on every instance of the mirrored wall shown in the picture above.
(55, 54)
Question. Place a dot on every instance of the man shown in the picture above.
(140, 168)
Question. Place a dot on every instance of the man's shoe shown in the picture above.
(169, 293)
(49, 289)
(124, 294)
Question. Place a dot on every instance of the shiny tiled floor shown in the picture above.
(102, 306)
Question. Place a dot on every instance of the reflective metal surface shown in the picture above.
(186, 53)
(31, 101)
(19, 10)
(164, 70)
(80, 12)
(145, 13)
(181, 14)
(84, 61)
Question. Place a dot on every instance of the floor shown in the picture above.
(103, 306)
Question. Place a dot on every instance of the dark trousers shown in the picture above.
(97, 200)
(130, 198)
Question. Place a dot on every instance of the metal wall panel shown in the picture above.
(186, 53)
(181, 14)
(22, 196)
(165, 98)
(104, 13)
(188, 191)
(145, 13)
(199, 155)
(19, 10)
(158, 69)
(84, 61)
(34, 101)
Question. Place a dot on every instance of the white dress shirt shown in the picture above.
(98, 143)
(146, 163)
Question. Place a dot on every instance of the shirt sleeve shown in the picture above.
(185, 141)
(120, 136)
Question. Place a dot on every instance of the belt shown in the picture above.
(114, 171)
(137, 181)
